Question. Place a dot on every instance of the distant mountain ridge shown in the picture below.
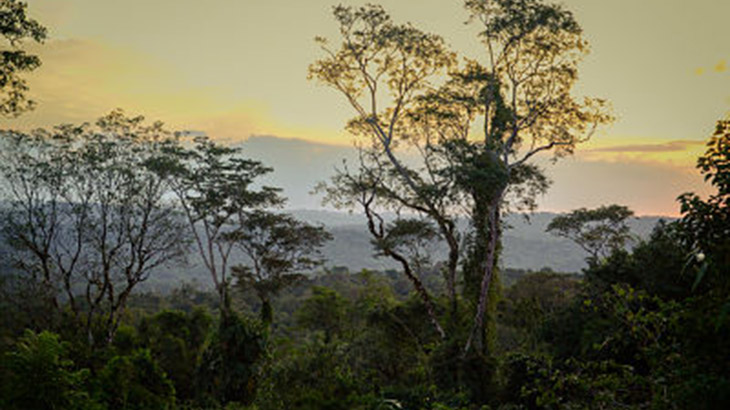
(526, 246)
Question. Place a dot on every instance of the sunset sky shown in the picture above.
(237, 68)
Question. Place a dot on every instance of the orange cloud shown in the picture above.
(671, 146)
(679, 154)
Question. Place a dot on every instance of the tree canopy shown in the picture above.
(213, 185)
(87, 213)
(279, 249)
(413, 100)
(598, 231)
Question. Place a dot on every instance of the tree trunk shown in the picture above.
(267, 312)
(487, 269)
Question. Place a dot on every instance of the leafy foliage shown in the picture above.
(136, 382)
(213, 186)
(88, 214)
(38, 374)
(94, 209)
(15, 28)
(176, 339)
(324, 311)
(231, 364)
(411, 97)
(279, 248)
(598, 231)
(707, 222)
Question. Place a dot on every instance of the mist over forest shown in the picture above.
(527, 247)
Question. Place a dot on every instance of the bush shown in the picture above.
(135, 382)
(176, 339)
(231, 364)
(38, 375)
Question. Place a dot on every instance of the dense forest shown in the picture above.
(91, 213)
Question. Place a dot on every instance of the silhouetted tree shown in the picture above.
(707, 221)
(15, 28)
(279, 249)
(599, 231)
(214, 187)
(87, 213)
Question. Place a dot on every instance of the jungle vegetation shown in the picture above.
(91, 211)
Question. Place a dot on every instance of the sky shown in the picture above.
(236, 69)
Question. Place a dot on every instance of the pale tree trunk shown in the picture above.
(477, 329)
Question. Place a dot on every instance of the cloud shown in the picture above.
(679, 154)
(80, 80)
(83, 79)
(672, 146)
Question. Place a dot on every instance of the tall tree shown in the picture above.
(16, 27)
(418, 152)
(214, 188)
(279, 249)
(88, 213)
